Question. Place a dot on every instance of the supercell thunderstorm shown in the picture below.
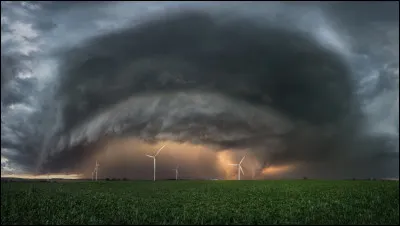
(292, 83)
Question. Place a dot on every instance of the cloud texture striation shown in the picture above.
(293, 84)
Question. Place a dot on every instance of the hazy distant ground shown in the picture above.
(201, 202)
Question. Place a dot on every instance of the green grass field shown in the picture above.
(201, 202)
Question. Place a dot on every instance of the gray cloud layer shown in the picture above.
(251, 76)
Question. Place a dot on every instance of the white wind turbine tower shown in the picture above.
(176, 172)
(96, 170)
(239, 167)
(154, 160)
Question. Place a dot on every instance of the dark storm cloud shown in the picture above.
(221, 78)
(8, 72)
(222, 57)
(366, 12)
(197, 54)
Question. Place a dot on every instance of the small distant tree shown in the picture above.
(124, 179)
(305, 178)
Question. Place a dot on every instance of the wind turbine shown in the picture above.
(96, 170)
(239, 167)
(176, 172)
(154, 160)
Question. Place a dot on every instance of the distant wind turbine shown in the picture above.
(154, 160)
(239, 167)
(176, 172)
(96, 170)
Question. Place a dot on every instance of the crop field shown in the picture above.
(201, 202)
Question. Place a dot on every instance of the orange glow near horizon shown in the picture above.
(224, 158)
(196, 161)
(43, 176)
(276, 170)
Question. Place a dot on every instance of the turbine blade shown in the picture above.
(159, 150)
(241, 170)
(233, 164)
(150, 156)
(242, 159)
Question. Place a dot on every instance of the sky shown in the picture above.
(300, 89)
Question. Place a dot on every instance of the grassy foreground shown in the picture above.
(201, 202)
